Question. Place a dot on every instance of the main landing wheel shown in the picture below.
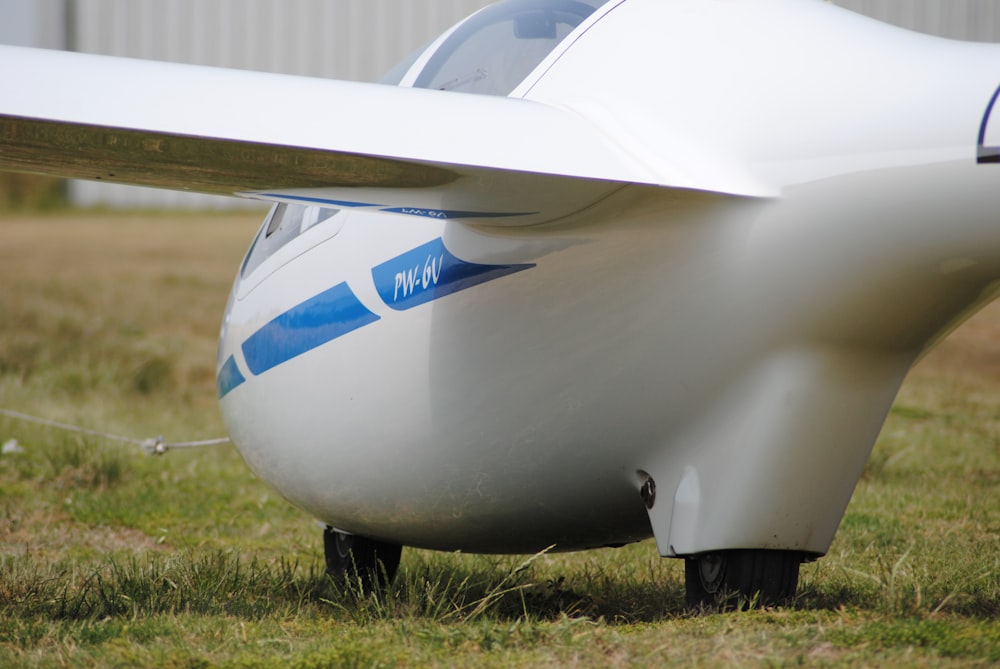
(358, 560)
(741, 578)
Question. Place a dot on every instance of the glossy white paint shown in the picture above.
(742, 352)
(715, 265)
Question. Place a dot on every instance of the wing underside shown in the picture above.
(187, 162)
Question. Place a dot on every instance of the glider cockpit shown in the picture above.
(284, 223)
(495, 49)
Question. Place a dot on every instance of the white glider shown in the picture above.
(638, 267)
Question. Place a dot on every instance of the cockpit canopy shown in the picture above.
(495, 49)
(490, 53)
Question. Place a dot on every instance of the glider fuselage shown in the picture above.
(503, 390)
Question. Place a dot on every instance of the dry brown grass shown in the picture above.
(102, 301)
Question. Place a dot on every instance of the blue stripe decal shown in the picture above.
(447, 214)
(986, 116)
(429, 272)
(318, 320)
(229, 377)
(319, 200)
(439, 214)
(988, 154)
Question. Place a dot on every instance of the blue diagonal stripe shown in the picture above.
(229, 377)
(430, 272)
(302, 328)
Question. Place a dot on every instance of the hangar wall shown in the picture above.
(977, 20)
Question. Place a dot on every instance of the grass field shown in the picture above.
(111, 558)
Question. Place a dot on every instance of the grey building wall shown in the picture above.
(342, 39)
(977, 20)
(33, 23)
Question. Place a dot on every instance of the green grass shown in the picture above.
(112, 558)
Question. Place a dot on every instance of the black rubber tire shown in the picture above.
(740, 579)
(353, 560)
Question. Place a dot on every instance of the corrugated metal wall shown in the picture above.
(958, 19)
(343, 39)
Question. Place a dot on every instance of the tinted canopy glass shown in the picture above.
(495, 49)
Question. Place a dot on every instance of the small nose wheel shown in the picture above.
(354, 559)
(740, 578)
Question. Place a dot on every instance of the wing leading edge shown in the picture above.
(286, 137)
